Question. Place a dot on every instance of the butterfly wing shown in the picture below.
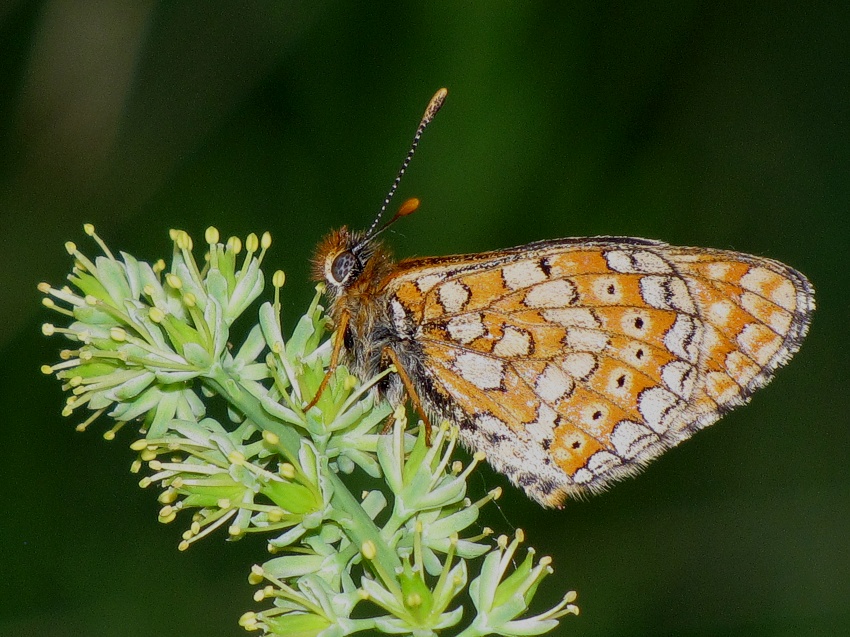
(573, 363)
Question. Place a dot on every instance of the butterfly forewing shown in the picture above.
(572, 363)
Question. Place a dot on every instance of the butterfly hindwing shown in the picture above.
(586, 359)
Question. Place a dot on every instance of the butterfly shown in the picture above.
(571, 363)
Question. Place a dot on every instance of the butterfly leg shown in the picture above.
(411, 391)
(340, 337)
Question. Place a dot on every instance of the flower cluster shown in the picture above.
(152, 346)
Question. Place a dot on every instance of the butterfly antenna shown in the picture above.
(433, 106)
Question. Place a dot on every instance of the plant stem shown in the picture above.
(350, 515)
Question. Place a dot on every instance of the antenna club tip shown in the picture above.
(435, 104)
(408, 207)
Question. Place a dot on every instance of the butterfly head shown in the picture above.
(343, 256)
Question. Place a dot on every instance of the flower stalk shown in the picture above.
(152, 350)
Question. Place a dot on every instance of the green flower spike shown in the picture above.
(500, 601)
(152, 346)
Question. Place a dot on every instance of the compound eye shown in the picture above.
(342, 267)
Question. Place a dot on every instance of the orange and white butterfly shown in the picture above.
(570, 363)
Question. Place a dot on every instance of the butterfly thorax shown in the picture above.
(355, 270)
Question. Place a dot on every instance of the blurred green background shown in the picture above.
(722, 124)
